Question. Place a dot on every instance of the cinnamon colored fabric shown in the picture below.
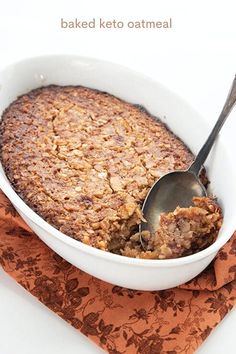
(119, 320)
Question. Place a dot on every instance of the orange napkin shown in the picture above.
(119, 320)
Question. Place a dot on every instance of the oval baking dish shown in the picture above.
(122, 82)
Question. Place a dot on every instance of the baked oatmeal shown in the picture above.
(84, 160)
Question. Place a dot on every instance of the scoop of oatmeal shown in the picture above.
(180, 233)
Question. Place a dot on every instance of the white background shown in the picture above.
(196, 59)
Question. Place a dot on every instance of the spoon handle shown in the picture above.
(196, 166)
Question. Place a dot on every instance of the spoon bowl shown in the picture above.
(173, 189)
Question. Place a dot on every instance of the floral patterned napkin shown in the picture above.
(119, 320)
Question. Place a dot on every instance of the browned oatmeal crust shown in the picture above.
(180, 233)
(84, 160)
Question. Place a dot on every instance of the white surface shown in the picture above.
(124, 271)
(196, 59)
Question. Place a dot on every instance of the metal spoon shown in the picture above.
(179, 187)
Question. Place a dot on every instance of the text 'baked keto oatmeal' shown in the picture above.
(84, 160)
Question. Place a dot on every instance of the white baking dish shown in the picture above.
(183, 121)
